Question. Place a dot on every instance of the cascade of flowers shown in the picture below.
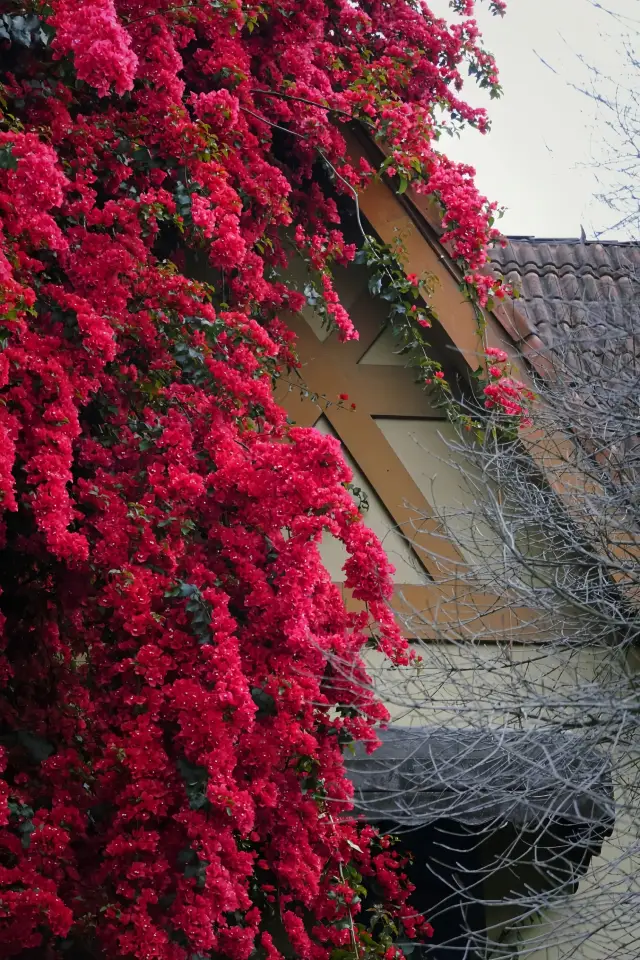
(172, 780)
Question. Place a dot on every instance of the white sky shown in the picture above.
(538, 160)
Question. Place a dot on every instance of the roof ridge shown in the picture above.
(577, 241)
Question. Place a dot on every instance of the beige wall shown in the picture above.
(423, 447)
(396, 545)
(427, 448)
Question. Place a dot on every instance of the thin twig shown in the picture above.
(276, 126)
(314, 103)
(158, 13)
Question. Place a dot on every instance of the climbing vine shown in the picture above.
(171, 742)
(410, 317)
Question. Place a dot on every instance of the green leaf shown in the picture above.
(142, 155)
(24, 31)
(375, 284)
(7, 159)
(404, 183)
(18, 809)
(366, 937)
(186, 856)
(26, 829)
(187, 590)
(197, 871)
(272, 552)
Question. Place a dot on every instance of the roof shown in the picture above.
(573, 291)
(421, 774)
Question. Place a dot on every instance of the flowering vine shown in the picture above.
(410, 318)
(172, 784)
(508, 396)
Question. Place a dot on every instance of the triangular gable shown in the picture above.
(391, 432)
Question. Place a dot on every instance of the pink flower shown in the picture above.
(163, 515)
(101, 47)
(219, 108)
(496, 354)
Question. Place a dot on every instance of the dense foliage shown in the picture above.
(170, 740)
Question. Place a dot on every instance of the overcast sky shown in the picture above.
(538, 159)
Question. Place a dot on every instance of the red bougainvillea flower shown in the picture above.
(172, 781)
(495, 354)
(504, 393)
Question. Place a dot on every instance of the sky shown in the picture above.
(540, 159)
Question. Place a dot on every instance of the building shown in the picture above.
(524, 845)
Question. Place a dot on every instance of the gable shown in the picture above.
(395, 439)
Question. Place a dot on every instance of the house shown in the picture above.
(514, 825)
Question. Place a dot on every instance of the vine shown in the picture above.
(410, 315)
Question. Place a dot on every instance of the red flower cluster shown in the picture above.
(171, 727)
(509, 396)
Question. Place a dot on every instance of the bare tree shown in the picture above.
(518, 784)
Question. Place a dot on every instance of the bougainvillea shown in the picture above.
(503, 393)
(171, 774)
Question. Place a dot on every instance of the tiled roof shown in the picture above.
(574, 291)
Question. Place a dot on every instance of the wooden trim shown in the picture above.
(328, 369)
(437, 612)
(440, 606)
(506, 325)
(331, 368)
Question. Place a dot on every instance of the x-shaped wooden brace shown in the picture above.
(330, 368)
